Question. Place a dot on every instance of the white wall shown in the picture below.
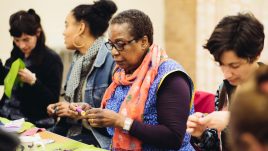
(53, 13)
(209, 13)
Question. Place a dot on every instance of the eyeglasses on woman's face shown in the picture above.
(119, 45)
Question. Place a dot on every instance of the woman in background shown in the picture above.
(249, 120)
(90, 73)
(42, 76)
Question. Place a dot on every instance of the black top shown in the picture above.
(33, 100)
(1, 70)
(170, 131)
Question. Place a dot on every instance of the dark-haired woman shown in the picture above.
(236, 44)
(90, 73)
(147, 104)
(248, 119)
(42, 76)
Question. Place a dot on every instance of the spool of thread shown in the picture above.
(204, 114)
(80, 111)
(55, 110)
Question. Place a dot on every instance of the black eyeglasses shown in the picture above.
(119, 46)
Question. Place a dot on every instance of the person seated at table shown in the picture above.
(90, 73)
(147, 105)
(262, 79)
(249, 120)
(41, 77)
(8, 141)
(236, 44)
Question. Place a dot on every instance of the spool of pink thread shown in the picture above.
(80, 111)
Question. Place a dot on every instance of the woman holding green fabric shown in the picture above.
(42, 76)
(147, 105)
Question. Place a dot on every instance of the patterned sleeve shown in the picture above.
(209, 139)
(217, 97)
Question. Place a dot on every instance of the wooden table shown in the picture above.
(63, 143)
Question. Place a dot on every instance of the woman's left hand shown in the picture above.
(217, 120)
(98, 117)
(27, 76)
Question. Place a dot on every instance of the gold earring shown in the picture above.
(144, 46)
(76, 42)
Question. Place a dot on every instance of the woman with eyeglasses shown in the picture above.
(147, 105)
(90, 73)
(41, 78)
(236, 44)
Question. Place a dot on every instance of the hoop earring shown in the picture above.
(144, 46)
(76, 42)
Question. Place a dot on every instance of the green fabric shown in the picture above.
(71, 145)
(67, 144)
(26, 126)
(4, 120)
(12, 79)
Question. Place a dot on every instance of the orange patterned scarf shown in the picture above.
(134, 103)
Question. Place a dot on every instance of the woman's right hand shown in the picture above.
(27, 76)
(51, 109)
(73, 110)
(216, 120)
(194, 127)
(63, 108)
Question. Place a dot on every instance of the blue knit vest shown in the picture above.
(150, 111)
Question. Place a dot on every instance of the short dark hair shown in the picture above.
(248, 110)
(139, 22)
(241, 33)
(262, 77)
(27, 22)
(97, 16)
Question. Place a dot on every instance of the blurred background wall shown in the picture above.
(180, 26)
(53, 13)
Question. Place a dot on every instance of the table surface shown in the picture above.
(61, 143)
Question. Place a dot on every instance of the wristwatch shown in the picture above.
(127, 124)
